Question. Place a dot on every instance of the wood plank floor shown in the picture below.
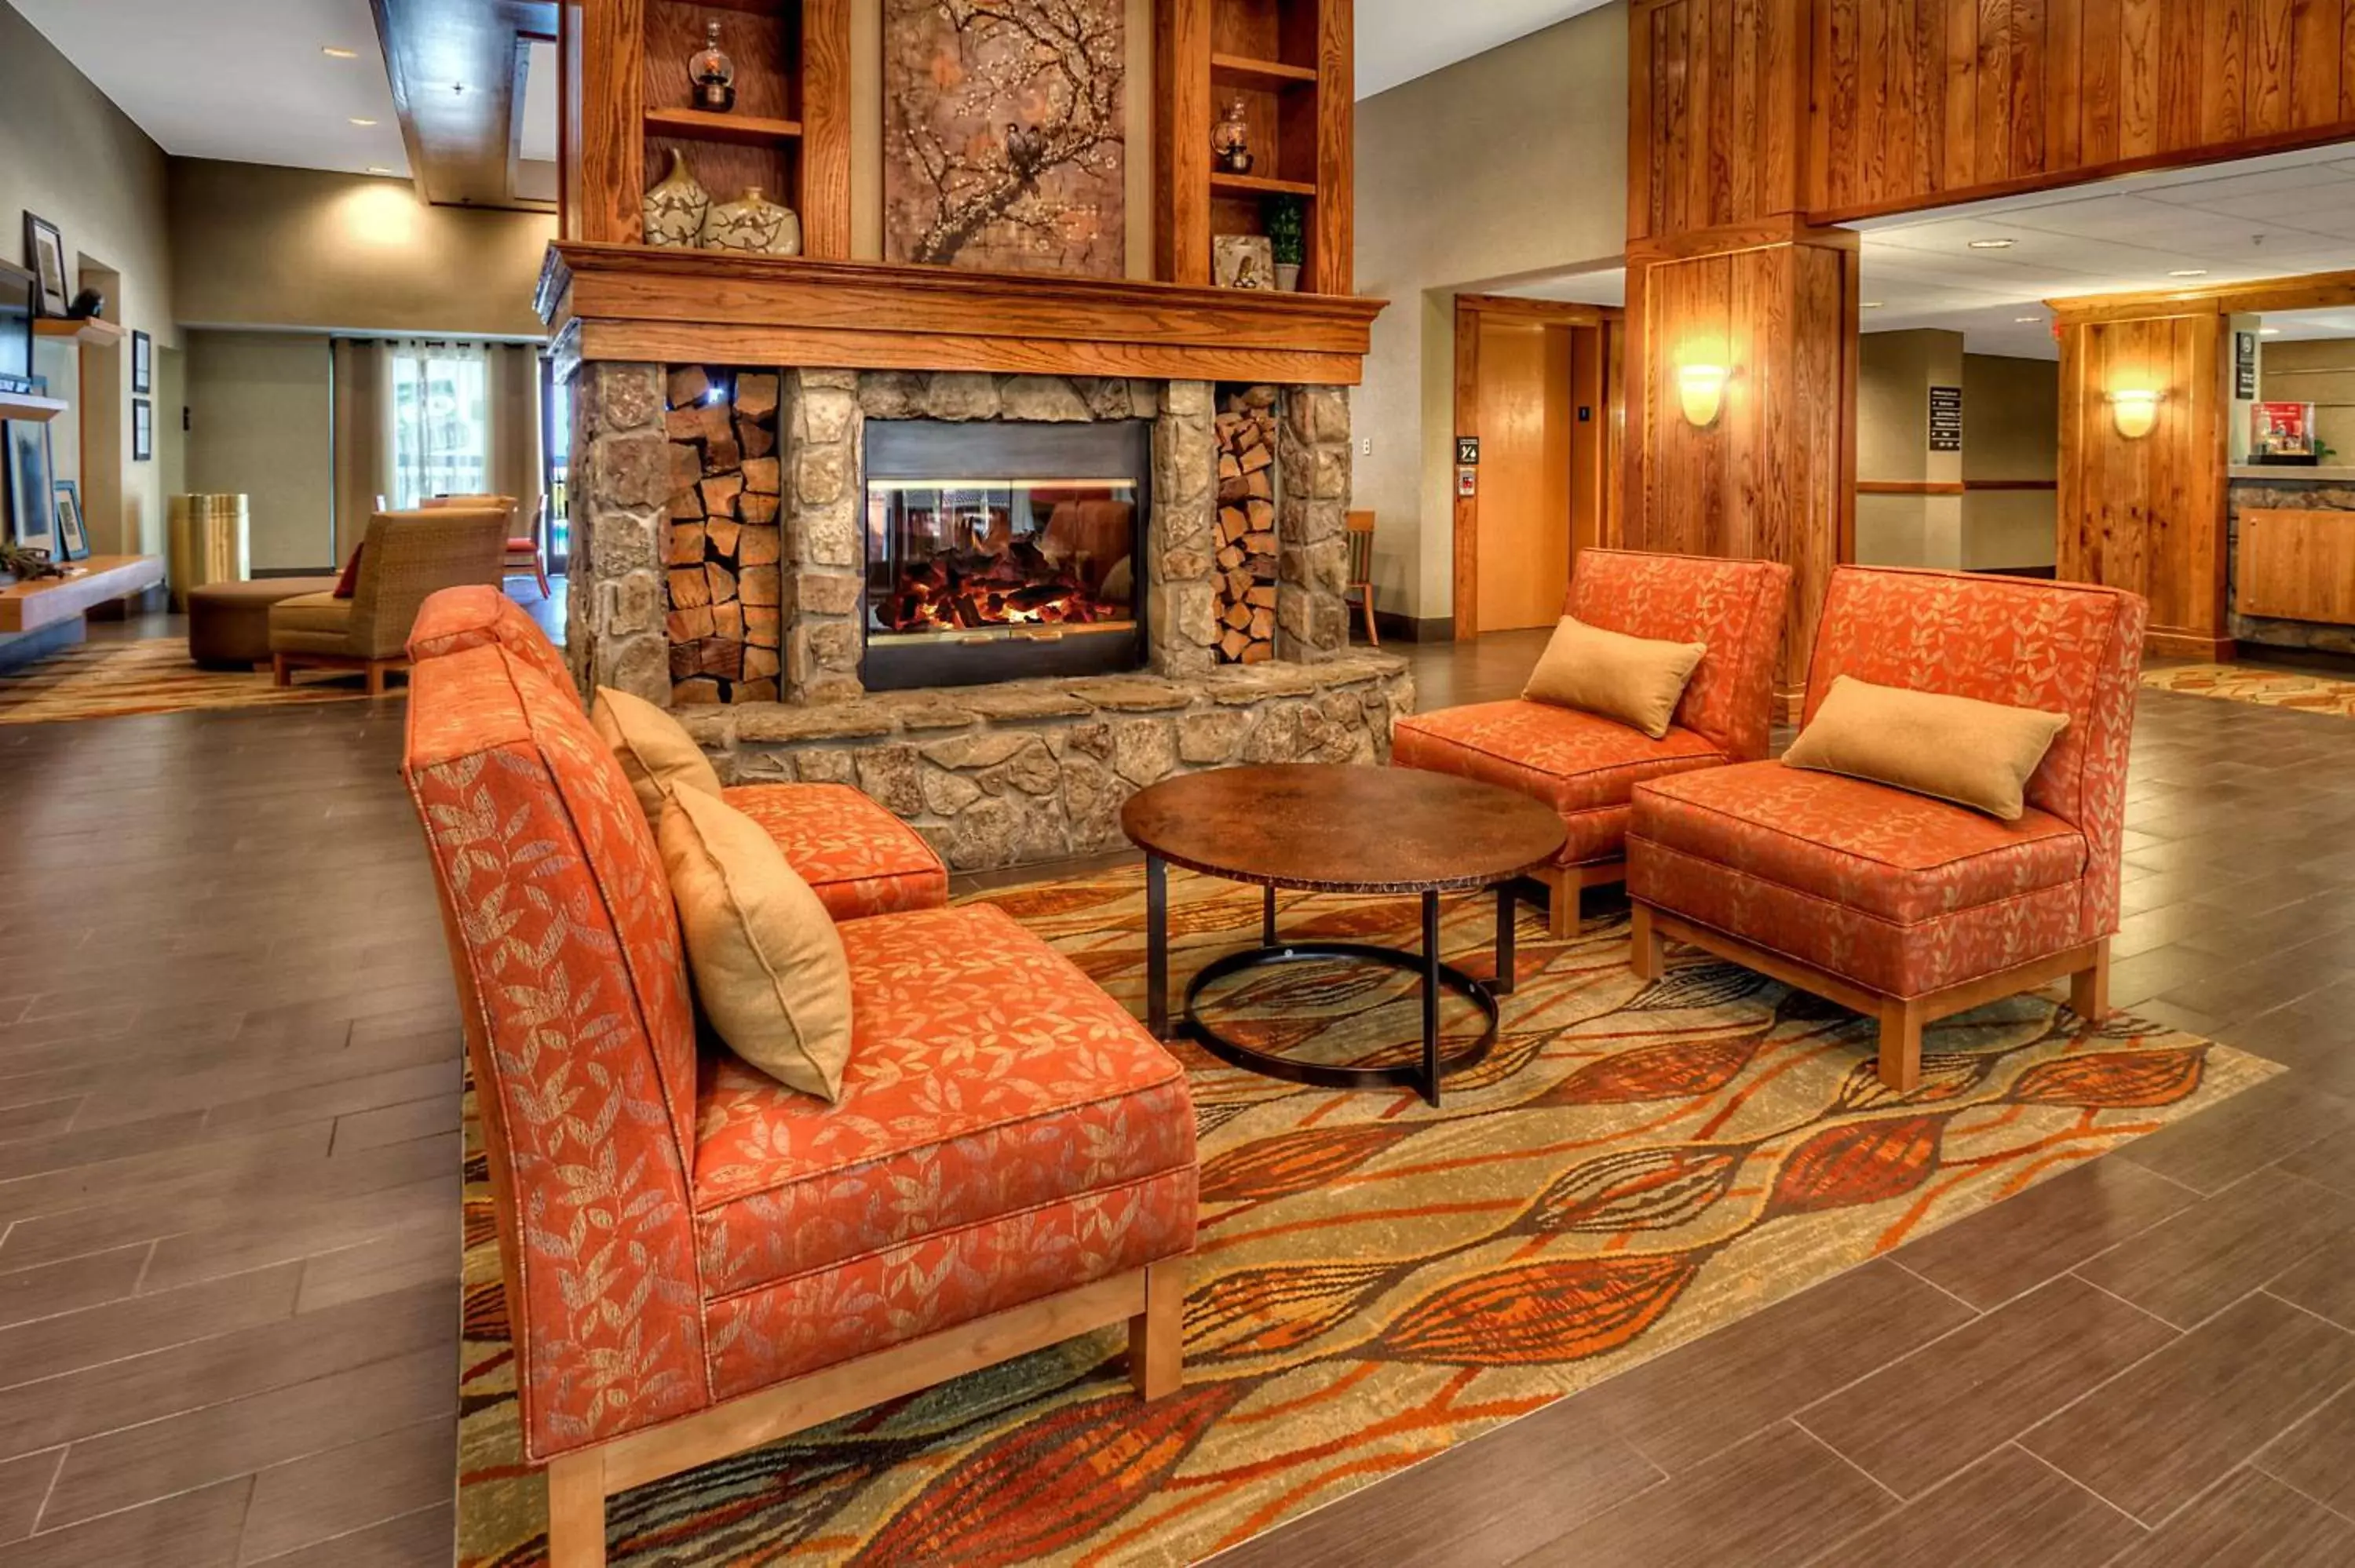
(228, 1066)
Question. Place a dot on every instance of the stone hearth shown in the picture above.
(1000, 774)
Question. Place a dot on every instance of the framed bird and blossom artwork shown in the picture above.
(1004, 135)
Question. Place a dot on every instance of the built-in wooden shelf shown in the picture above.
(25, 405)
(1273, 76)
(1259, 185)
(28, 607)
(745, 129)
(89, 331)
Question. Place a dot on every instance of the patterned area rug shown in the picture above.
(1376, 1281)
(2267, 688)
(152, 675)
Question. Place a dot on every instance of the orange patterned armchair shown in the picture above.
(857, 857)
(698, 1259)
(1905, 908)
(1587, 768)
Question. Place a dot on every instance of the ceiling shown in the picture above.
(245, 82)
(2263, 217)
(1399, 40)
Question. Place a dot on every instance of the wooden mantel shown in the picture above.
(604, 301)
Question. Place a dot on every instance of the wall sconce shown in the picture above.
(2135, 411)
(1702, 387)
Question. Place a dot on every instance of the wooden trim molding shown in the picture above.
(663, 306)
(1909, 487)
(2312, 291)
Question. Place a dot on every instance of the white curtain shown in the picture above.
(440, 414)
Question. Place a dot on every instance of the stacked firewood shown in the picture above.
(1245, 532)
(724, 544)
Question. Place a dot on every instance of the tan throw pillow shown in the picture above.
(1635, 680)
(654, 750)
(769, 966)
(1975, 754)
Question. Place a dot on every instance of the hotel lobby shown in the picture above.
(968, 782)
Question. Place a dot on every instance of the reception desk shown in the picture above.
(2292, 572)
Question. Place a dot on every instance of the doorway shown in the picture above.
(1537, 419)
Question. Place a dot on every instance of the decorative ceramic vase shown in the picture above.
(753, 223)
(675, 210)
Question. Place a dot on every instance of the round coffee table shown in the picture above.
(1339, 828)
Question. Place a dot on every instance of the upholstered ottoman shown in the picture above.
(228, 622)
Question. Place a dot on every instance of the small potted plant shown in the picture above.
(1287, 237)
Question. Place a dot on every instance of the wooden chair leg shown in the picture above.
(281, 673)
(576, 1511)
(1901, 1045)
(1647, 955)
(540, 570)
(1372, 637)
(1562, 884)
(1157, 1335)
(375, 669)
(2089, 987)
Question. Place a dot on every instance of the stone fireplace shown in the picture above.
(997, 603)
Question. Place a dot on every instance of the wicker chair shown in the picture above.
(525, 554)
(406, 557)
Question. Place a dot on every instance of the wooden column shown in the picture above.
(1773, 476)
(2148, 514)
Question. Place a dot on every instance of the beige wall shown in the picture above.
(69, 154)
(262, 410)
(1505, 166)
(2012, 429)
(257, 245)
(1895, 371)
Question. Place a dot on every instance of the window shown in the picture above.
(441, 421)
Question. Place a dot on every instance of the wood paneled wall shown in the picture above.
(1773, 478)
(2147, 514)
(1841, 108)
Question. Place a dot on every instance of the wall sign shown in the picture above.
(2244, 365)
(1467, 482)
(1467, 451)
(1946, 418)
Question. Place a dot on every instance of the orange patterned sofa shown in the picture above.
(697, 1259)
(859, 858)
(1587, 768)
(1905, 908)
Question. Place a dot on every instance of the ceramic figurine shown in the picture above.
(1230, 143)
(675, 209)
(713, 74)
(753, 223)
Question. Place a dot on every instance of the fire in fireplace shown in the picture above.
(997, 551)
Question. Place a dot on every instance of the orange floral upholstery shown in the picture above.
(1587, 768)
(1584, 767)
(859, 858)
(1896, 893)
(457, 618)
(675, 1228)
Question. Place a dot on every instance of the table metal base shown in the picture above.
(1423, 1076)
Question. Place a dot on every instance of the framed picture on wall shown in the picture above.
(143, 431)
(45, 253)
(32, 520)
(73, 538)
(142, 364)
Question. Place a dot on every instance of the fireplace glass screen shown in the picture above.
(985, 575)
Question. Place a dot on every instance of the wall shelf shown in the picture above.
(1242, 71)
(746, 130)
(25, 405)
(1260, 185)
(89, 331)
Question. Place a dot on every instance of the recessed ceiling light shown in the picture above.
(2189, 273)
(1992, 244)
(378, 169)
(2269, 332)
(1868, 304)
(337, 52)
(358, 121)
(2028, 318)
